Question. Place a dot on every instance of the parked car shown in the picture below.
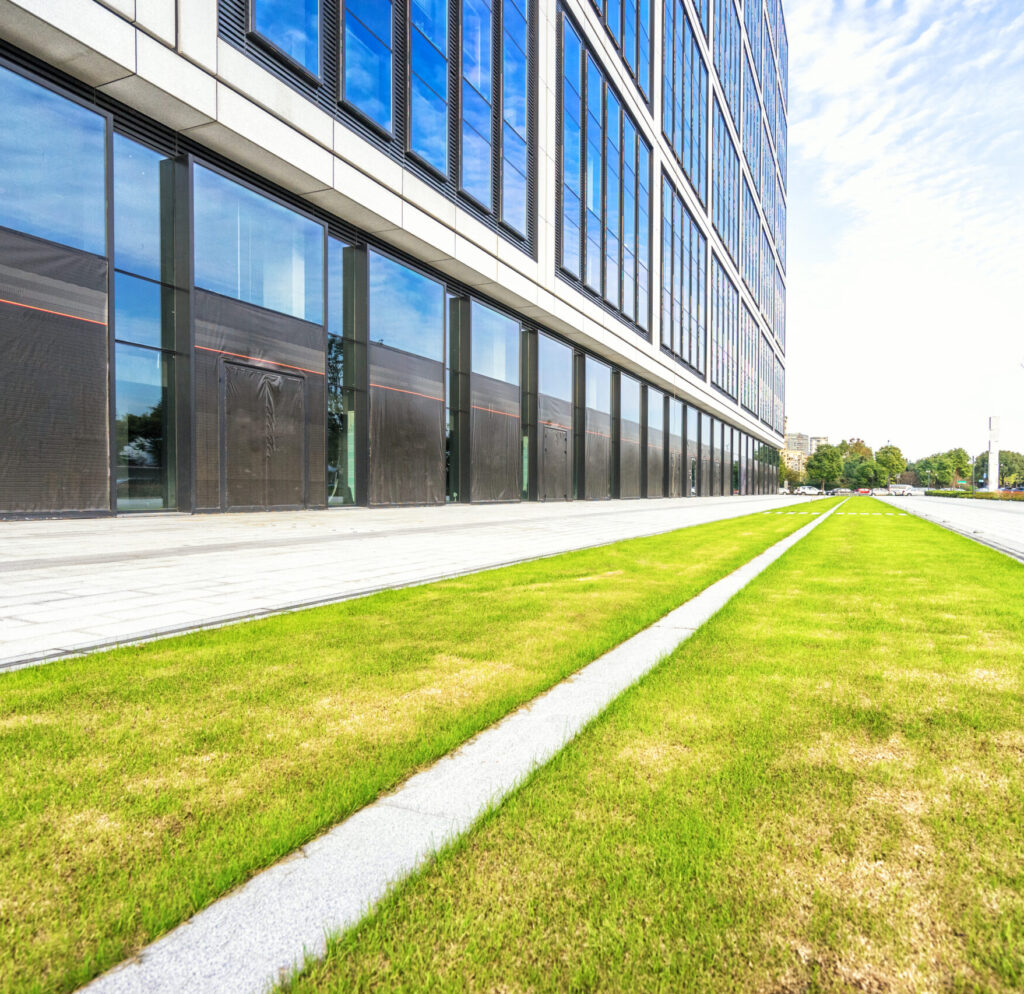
(864, 491)
(900, 490)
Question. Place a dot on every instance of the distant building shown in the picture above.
(816, 441)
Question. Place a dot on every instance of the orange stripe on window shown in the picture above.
(555, 424)
(272, 362)
(491, 410)
(412, 393)
(60, 314)
(599, 434)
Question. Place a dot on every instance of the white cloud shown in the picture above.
(906, 213)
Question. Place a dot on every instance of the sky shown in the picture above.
(905, 300)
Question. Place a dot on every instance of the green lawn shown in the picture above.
(140, 784)
(822, 790)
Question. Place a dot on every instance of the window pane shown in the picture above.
(144, 429)
(554, 368)
(52, 166)
(629, 399)
(495, 344)
(599, 386)
(249, 248)
(476, 45)
(293, 26)
(143, 312)
(341, 428)
(406, 309)
(368, 59)
(428, 124)
(143, 210)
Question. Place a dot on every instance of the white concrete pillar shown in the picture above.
(992, 482)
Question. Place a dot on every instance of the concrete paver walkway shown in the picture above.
(261, 932)
(72, 585)
(998, 523)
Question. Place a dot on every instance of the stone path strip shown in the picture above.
(260, 933)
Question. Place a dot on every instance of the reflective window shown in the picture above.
(615, 172)
(766, 298)
(428, 82)
(629, 218)
(703, 11)
(572, 138)
(779, 325)
(752, 17)
(629, 400)
(495, 344)
(751, 121)
(341, 406)
(725, 172)
(367, 71)
(692, 454)
(751, 241)
(594, 259)
(683, 272)
(554, 368)
(143, 210)
(724, 329)
(655, 410)
(52, 166)
(705, 455)
(779, 413)
(475, 126)
(476, 100)
(293, 26)
(613, 186)
(143, 427)
(599, 386)
(143, 312)
(514, 123)
(750, 337)
(254, 250)
(630, 24)
(685, 97)
(728, 48)
(406, 309)
(766, 389)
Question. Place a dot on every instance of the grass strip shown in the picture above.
(822, 790)
(142, 783)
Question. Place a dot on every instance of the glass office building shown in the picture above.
(268, 255)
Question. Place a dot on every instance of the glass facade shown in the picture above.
(629, 22)
(683, 275)
(750, 338)
(607, 195)
(368, 59)
(725, 173)
(685, 97)
(724, 329)
(728, 49)
(751, 242)
(428, 82)
(515, 109)
(292, 27)
(52, 189)
(252, 249)
(144, 331)
(475, 124)
(316, 328)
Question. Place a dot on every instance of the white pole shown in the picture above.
(992, 483)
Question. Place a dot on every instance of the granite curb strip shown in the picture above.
(260, 933)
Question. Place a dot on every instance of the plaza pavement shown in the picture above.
(997, 523)
(69, 586)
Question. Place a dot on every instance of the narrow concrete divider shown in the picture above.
(258, 934)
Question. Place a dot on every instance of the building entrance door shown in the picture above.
(555, 464)
(263, 418)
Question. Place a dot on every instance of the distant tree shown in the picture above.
(825, 466)
(856, 447)
(1011, 469)
(960, 462)
(870, 474)
(794, 477)
(891, 460)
